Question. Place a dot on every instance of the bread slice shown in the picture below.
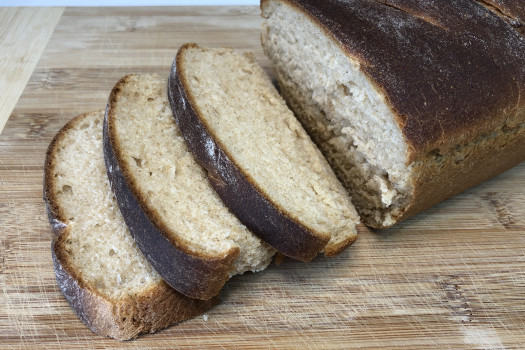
(100, 270)
(259, 159)
(176, 218)
(411, 102)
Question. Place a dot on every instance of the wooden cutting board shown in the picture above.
(452, 277)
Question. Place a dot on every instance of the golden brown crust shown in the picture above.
(236, 188)
(193, 273)
(336, 249)
(123, 319)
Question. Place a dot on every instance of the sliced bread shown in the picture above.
(410, 101)
(100, 270)
(176, 218)
(259, 159)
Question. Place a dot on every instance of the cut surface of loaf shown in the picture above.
(100, 270)
(259, 158)
(411, 102)
(177, 219)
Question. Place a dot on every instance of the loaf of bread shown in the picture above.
(259, 159)
(176, 218)
(100, 270)
(410, 101)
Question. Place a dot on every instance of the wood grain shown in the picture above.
(24, 33)
(452, 277)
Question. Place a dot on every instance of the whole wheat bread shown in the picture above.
(100, 270)
(176, 218)
(410, 101)
(259, 159)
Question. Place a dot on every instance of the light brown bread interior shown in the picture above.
(171, 185)
(248, 118)
(105, 277)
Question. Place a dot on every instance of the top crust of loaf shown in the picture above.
(154, 307)
(236, 188)
(439, 43)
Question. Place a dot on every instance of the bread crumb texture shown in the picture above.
(99, 245)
